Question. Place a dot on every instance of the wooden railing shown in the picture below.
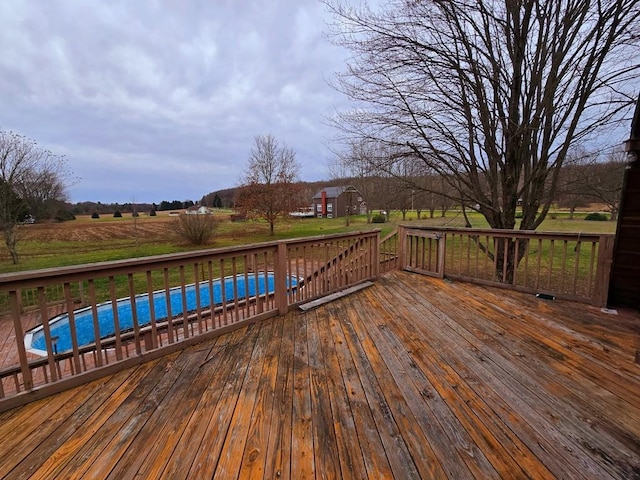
(573, 266)
(301, 270)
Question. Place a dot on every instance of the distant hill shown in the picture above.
(309, 189)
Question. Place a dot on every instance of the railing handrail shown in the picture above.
(512, 232)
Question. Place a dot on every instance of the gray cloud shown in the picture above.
(162, 99)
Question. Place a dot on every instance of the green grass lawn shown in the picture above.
(125, 238)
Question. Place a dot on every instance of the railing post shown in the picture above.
(441, 238)
(603, 271)
(402, 246)
(19, 336)
(376, 256)
(280, 279)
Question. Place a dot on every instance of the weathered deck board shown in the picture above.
(411, 378)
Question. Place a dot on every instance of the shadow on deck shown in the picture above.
(411, 378)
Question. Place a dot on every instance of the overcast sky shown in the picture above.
(161, 100)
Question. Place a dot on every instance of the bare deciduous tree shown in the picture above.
(269, 190)
(490, 94)
(31, 183)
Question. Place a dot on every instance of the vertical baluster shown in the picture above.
(516, 255)
(256, 281)
(95, 320)
(592, 263)
(212, 298)
(268, 290)
(551, 255)
(526, 262)
(134, 314)
(76, 368)
(576, 262)
(167, 299)
(185, 306)
(297, 276)
(506, 245)
(152, 343)
(197, 280)
(563, 265)
(46, 328)
(247, 306)
(223, 293)
(539, 265)
(234, 280)
(116, 317)
(468, 267)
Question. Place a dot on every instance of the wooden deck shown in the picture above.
(411, 378)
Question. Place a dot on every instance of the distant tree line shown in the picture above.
(89, 208)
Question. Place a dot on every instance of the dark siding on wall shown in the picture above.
(624, 286)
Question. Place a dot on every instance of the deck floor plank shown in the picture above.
(80, 426)
(255, 453)
(207, 458)
(413, 377)
(237, 446)
(455, 405)
(278, 444)
(545, 362)
(377, 385)
(302, 461)
(100, 453)
(352, 465)
(325, 450)
(215, 374)
(423, 405)
(148, 454)
(482, 373)
(568, 431)
(373, 451)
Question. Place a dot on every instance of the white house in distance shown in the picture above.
(196, 210)
(332, 202)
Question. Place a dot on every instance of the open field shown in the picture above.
(87, 240)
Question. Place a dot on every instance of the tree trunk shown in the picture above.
(10, 241)
(505, 257)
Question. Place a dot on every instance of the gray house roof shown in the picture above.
(332, 192)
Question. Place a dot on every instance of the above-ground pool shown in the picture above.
(59, 326)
